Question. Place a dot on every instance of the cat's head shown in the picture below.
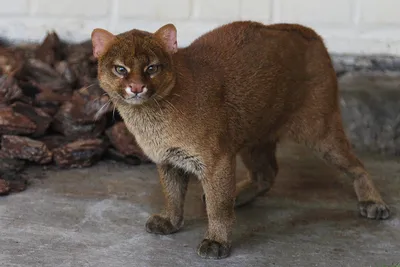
(136, 66)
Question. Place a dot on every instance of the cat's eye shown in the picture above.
(152, 69)
(121, 70)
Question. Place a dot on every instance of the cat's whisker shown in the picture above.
(113, 113)
(99, 112)
(112, 100)
(97, 98)
(158, 104)
(87, 87)
(90, 85)
(173, 107)
(114, 97)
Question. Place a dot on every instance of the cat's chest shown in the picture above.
(165, 146)
(153, 140)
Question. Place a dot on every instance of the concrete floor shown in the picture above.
(96, 216)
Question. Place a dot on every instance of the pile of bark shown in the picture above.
(53, 112)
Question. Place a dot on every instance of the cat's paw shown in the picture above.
(157, 224)
(210, 249)
(373, 210)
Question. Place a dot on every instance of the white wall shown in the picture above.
(348, 26)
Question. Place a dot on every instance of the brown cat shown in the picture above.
(237, 89)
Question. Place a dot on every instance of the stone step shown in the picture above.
(370, 104)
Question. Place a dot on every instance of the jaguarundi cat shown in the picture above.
(236, 90)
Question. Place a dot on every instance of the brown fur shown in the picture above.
(238, 89)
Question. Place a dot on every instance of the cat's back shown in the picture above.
(241, 34)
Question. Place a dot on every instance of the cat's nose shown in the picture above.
(136, 88)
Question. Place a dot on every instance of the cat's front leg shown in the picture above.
(174, 182)
(219, 188)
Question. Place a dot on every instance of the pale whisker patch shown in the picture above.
(128, 91)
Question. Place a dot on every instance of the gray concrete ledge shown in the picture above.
(345, 63)
(370, 104)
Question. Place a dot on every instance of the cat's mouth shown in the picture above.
(136, 100)
(136, 97)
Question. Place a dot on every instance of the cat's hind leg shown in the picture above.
(262, 168)
(329, 141)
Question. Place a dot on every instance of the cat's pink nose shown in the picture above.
(136, 88)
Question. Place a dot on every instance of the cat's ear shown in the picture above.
(167, 34)
(100, 41)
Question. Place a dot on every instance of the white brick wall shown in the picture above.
(348, 26)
